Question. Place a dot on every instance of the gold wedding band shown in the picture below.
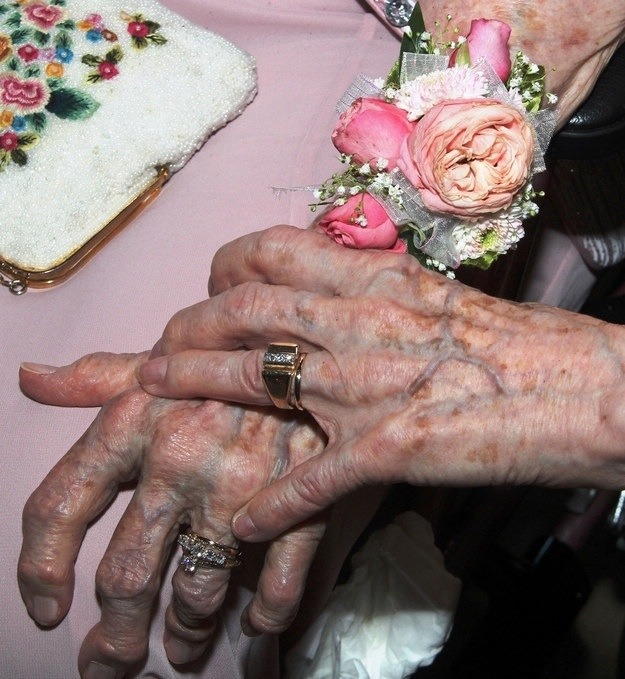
(282, 375)
(201, 552)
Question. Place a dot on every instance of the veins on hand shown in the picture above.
(450, 350)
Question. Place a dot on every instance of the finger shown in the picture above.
(90, 381)
(283, 579)
(306, 491)
(128, 581)
(57, 514)
(301, 259)
(236, 376)
(245, 316)
(189, 622)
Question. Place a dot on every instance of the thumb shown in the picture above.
(88, 382)
(307, 490)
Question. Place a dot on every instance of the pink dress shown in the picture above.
(307, 54)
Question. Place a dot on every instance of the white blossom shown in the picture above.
(418, 96)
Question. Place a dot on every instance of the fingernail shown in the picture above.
(243, 526)
(96, 670)
(157, 349)
(45, 610)
(38, 368)
(153, 371)
(179, 652)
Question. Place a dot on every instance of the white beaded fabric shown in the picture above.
(158, 110)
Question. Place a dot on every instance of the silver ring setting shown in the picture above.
(201, 552)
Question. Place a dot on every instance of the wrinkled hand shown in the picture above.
(412, 377)
(573, 39)
(195, 462)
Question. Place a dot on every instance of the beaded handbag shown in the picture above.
(100, 102)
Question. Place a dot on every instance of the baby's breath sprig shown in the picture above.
(528, 79)
(372, 177)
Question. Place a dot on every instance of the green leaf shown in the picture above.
(4, 9)
(12, 64)
(408, 44)
(72, 104)
(94, 77)
(139, 43)
(40, 38)
(63, 39)
(14, 20)
(417, 26)
(67, 25)
(114, 55)
(19, 157)
(20, 35)
(55, 83)
(91, 60)
(37, 121)
(157, 39)
(152, 25)
(483, 262)
(32, 72)
(27, 140)
(5, 159)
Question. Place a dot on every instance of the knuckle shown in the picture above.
(126, 575)
(126, 646)
(193, 602)
(244, 300)
(270, 619)
(46, 571)
(310, 488)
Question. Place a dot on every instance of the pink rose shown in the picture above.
(27, 96)
(372, 129)
(468, 157)
(43, 16)
(362, 223)
(487, 39)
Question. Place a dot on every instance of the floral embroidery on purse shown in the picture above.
(36, 45)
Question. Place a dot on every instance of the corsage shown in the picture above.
(441, 153)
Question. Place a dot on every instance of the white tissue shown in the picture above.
(392, 616)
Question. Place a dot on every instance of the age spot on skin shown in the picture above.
(487, 455)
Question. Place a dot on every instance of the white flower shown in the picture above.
(497, 235)
(365, 169)
(418, 96)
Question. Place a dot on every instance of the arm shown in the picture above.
(571, 39)
(411, 376)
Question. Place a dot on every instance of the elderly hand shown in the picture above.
(412, 377)
(570, 38)
(194, 462)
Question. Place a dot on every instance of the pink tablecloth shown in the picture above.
(307, 53)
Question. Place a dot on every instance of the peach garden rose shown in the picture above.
(441, 154)
(468, 157)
